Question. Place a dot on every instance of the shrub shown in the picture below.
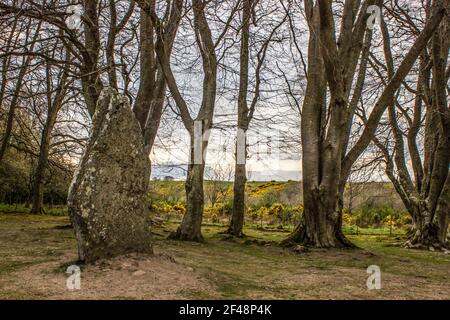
(163, 206)
(179, 208)
(217, 211)
(275, 209)
(376, 217)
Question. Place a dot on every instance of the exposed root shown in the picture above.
(300, 237)
(231, 232)
(183, 236)
(39, 211)
(426, 238)
(427, 245)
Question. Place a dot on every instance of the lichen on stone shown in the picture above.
(107, 195)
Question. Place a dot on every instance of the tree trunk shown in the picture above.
(90, 76)
(443, 211)
(429, 234)
(237, 218)
(321, 223)
(53, 107)
(39, 175)
(430, 226)
(15, 101)
(190, 228)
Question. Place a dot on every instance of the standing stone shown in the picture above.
(107, 196)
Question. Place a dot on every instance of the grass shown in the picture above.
(10, 266)
(59, 210)
(234, 268)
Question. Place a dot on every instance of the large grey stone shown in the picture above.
(107, 196)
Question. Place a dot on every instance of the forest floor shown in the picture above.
(35, 252)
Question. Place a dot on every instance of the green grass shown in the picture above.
(236, 269)
(62, 268)
(11, 266)
(227, 262)
(275, 233)
(353, 230)
(59, 210)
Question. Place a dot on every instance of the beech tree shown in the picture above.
(326, 119)
(10, 46)
(424, 187)
(85, 44)
(56, 90)
(245, 111)
(134, 48)
(198, 127)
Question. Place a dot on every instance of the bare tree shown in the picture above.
(55, 96)
(332, 64)
(245, 111)
(198, 127)
(426, 196)
(15, 101)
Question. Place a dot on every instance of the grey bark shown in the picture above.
(53, 108)
(190, 228)
(426, 199)
(15, 101)
(240, 176)
(325, 129)
(245, 112)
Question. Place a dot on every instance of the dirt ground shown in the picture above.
(35, 252)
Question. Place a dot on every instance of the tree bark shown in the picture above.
(150, 98)
(240, 177)
(16, 96)
(39, 175)
(245, 113)
(90, 74)
(238, 213)
(320, 225)
(443, 212)
(190, 228)
(326, 167)
(427, 198)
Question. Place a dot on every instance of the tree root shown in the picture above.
(427, 245)
(182, 236)
(299, 237)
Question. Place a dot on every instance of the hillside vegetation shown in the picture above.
(279, 204)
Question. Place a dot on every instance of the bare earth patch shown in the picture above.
(125, 277)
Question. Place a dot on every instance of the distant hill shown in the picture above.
(178, 172)
(275, 175)
(159, 172)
